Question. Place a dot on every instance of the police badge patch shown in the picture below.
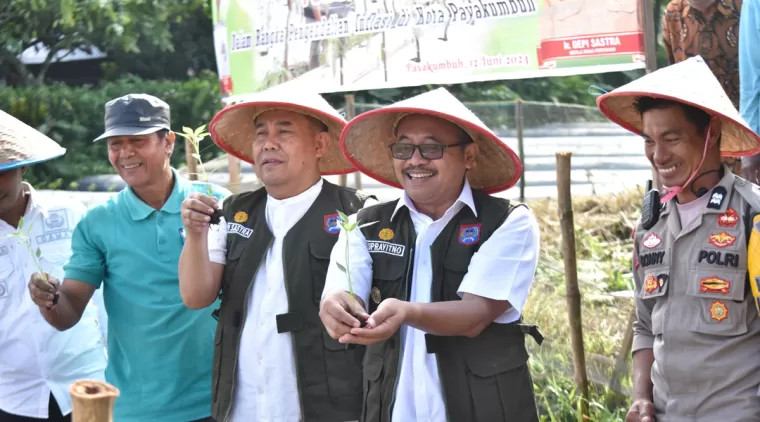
(331, 223)
(469, 234)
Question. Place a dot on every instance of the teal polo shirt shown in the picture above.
(159, 351)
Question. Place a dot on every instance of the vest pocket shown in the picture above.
(717, 301)
(453, 274)
(343, 366)
(319, 260)
(389, 281)
(372, 388)
(501, 387)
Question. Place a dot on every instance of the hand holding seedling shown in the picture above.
(44, 290)
(342, 311)
(195, 137)
(197, 211)
(44, 282)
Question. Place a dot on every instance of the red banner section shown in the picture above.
(591, 46)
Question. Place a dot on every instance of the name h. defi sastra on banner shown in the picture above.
(349, 45)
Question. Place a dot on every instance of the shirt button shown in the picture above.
(261, 390)
(260, 357)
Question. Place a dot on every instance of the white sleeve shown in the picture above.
(217, 242)
(505, 265)
(360, 265)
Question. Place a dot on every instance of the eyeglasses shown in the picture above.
(427, 151)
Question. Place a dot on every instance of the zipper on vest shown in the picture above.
(409, 265)
(438, 361)
(237, 348)
(292, 336)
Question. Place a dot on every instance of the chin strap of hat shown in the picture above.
(670, 192)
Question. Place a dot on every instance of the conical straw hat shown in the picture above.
(21, 145)
(689, 82)
(233, 128)
(366, 138)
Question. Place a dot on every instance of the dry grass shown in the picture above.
(603, 226)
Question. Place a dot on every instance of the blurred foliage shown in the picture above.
(73, 116)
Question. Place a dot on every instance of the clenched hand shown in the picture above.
(641, 411)
(197, 210)
(339, 312)
(44, 292)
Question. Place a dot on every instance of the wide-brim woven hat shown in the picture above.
(233, 127)
(690, 82)
(366, 139)
(21, 145)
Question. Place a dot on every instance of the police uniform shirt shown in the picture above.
(503, 269)
(266, 387)
(35, 358)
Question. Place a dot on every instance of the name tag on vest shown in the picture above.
(376, 246)
(239, 229)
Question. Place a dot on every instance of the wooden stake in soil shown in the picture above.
(350, 114)
(565, 205)
(92, 401)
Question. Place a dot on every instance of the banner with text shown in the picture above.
(351, 45)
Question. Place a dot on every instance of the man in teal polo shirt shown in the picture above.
(160, 352)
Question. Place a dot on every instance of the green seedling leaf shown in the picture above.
(341, 267)
(38, 253)
(343, 216)
(187, 130)
(21, 222)
(196, 156)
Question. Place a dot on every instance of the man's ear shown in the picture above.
(471, 151)
(321, 142)
(716, 128)
(23, 171)
(170, 141)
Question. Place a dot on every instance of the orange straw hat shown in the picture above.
(366, 139)
(233, 127)
(689, 82)
(21, 145)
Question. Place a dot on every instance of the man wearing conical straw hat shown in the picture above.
(697, 333)
(38, 362)
(443, 272)
(268, 255)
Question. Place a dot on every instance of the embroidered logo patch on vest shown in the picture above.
(469, 234)
(718, 311)
(376, 246)
(239, 229)
(241, 217)
(386, 234)
(331, 223)
(714, 285)
(728, 218)
(721, 240)
(652, 241)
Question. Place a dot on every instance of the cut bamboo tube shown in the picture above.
(92, 401)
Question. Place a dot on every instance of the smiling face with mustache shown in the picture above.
(286, 149)
(433, 185)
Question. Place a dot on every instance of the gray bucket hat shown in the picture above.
(134, 115)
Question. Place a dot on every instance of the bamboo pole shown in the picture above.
(350, 114)
(520, 145)
(192, 163)
(92, 401)
(233, 164)
(573, 294)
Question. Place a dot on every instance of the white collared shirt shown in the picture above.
(502, 269)
(266, 387)
(35, 358)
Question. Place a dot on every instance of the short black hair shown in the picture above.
(696, 116)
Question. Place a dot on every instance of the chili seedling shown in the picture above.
(36, 254)
(348, 227)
